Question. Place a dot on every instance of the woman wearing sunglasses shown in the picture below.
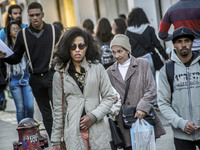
(88, 94)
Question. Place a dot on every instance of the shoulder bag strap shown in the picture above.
(62, 85)
(63, 113)
(53, 43)
(126, 90)
(27, 50)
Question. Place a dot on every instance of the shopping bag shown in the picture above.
(142, 136)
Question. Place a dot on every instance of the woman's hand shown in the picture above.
(140, 114)
(85, 122)
(56, 147)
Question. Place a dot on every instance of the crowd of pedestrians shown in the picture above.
(83, 74)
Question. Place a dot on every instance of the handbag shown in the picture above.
(129, 119)
(128, 113)
(62, 143)
(118, 141)
(157, 62)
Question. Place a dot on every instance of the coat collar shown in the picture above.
(131, 70)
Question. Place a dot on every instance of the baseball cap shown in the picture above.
(182, 32)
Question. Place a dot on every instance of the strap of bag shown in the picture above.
(170, 74)
(62, 85)
(61, 75)
(126, 90)
(53, 32)
(27, 50)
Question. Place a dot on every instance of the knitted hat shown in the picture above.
(121, 40)
(182, 32)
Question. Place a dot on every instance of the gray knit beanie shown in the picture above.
(121, 40)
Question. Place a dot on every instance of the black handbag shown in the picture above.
(129, 113)
(157, 62)
(118, 140)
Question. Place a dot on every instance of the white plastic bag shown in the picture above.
(142, 136)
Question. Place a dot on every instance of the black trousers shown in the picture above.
(186, 145)
(42, 90)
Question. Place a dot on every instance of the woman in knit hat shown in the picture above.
(142, 90)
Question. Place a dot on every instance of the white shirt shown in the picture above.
(124, 67)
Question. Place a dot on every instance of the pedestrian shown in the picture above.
(60, 25)
(88, 25)
(118, 26)
(104, 36)
(143, 39)
(40, 44)
(18, 76)
(85, 81)
(183, 13)
(14, 13)
(142, 90)
(179, 101)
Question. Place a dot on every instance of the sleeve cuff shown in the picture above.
(54, 144)
(92, 117)
(182, 124)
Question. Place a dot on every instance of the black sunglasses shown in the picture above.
(81, 46)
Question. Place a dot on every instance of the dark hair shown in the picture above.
(35, 5)
(104, 30)
(121, 26)
(88, 25)
(62, 53)
(8, 18)
(137, 17)
(123, 16)
(8, 36)
(59, 24)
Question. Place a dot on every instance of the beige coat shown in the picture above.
(141, 94)
(96, 83)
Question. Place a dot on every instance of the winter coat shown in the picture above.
(97, 84)
(147, 32)
(183, 104)
(141, 93)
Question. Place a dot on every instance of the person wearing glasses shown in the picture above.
(88, 94)
(19, 78)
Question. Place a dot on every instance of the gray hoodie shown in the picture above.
(185, 103)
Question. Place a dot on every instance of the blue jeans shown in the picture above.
(23, 98)
(150, 60)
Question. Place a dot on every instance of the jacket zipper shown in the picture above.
(189, 98)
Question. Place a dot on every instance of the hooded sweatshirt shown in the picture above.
(183, 104)
(147, 34)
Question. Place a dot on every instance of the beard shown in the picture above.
(186, 53)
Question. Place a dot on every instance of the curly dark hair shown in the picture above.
(104, 30)
(137, 17)
(8, 36)
(62, 50)
(121, 25)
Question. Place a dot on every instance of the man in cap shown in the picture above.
(142, 90)
(181, 106)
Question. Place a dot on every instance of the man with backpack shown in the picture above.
(179, 91)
